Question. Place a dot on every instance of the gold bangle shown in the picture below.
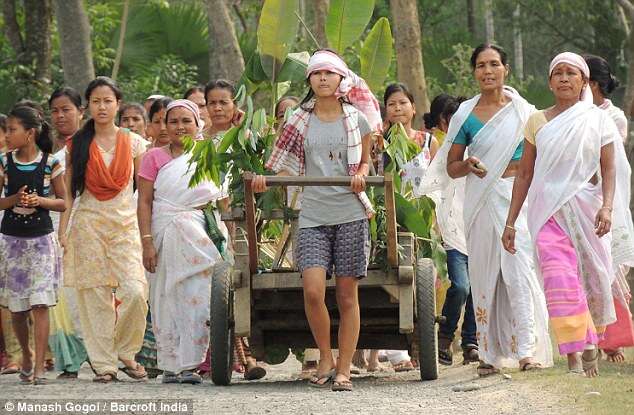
(510, 227)
(606, 207)
(148, 236)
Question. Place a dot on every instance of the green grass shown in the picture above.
(615, 384)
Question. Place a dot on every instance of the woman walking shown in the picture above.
(573, 163)
(65, 339)
(620, 334)
(509, 304)
(458, 295)
(177, 251)
(30, 259)
(327, 136)
(102, 256)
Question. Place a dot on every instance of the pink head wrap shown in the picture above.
(578, 62)
(352, 86)
(187, 104)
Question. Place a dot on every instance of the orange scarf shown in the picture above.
(106, 182)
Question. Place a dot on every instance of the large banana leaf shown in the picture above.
(277, 28)
(376, 54)
(346, 22)
(294, 67)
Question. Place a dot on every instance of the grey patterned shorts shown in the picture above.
(344, 247)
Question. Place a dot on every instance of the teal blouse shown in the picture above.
(471, 127)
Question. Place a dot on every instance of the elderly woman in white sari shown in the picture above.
(509, 304)
(177, 251)
(576, 179)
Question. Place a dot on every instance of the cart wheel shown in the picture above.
(222, 327)
(426, 319)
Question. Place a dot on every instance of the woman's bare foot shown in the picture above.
(527, 364)
(486, 369)
(359, 360)
(614, 356)
(574, 363)
(590, 362)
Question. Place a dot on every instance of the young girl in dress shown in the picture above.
(30, 265)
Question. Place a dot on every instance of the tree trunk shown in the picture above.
(38, 37)
(488, 21)
(518, 45)
(11, 27)
(471, 21)
(75, 44)
(320, 11)
(121, 42)
(225, 57)
(409, 52)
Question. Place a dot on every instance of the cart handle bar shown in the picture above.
(315, 181)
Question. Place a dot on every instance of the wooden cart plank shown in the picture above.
(390, 208)
(252, 237)
(242, 291)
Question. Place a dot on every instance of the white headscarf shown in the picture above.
(189, 105)
(578, 62)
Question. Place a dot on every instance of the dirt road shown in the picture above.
(281, 393)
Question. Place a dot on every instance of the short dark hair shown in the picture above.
(68, 92)
(132, 105)
(397, 87)
(438, 104)
(158, 105)
(484, 46)
(600, 73)
(220, 84)
(195, 88)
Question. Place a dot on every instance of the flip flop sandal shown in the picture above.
(136, 373)
(189, 377)
(380, 368)
(322, 381)
(445, 357)
(10, 369)
(355, 370)
(485, 370)
(26, 378)
(528, 367)
(169, 377)
(255, 373)
(342, 386)
(67, 375)
(40, 381)
(404, 366)
(105, 378)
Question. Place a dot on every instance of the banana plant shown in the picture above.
(346, 21)
(414, 214)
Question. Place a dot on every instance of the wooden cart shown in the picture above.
(398, 309)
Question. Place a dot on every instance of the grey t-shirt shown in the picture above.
(326, 154)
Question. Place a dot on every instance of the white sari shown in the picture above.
(180, 288)
(568, 156)
(509, 303)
